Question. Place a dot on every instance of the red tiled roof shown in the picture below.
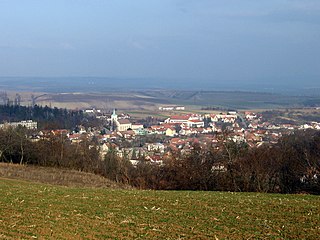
(196, 121)
(124, 121)
(184, 117)
(74, 136)
(60, 131)
(156, 127)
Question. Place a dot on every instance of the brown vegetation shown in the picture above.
(290, 166)
(55, 176)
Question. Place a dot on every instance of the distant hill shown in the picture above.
(141, 94)
(107, 84)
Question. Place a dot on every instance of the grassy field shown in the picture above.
(39, 211)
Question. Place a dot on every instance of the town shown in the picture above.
(154, 139)
(162, 119)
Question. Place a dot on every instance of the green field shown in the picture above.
(34, 210)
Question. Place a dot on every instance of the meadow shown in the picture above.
(30, 210)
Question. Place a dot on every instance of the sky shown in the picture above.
(249, 41)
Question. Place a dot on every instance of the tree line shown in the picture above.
(290, 166)
(47, 117)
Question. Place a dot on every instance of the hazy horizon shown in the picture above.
(100, 84)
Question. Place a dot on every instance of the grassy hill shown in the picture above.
(56, 176)
(36, 210)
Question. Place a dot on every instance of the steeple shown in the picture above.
(114, 120)
(114, 116)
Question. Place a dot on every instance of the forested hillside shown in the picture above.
(47, 118)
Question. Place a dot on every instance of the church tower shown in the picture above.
(114, 116)
(114, 120)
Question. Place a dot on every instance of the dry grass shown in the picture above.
(55, 176)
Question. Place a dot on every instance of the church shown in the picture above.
(119, 124)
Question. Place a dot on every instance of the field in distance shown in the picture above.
(35, 210)
(151, 100)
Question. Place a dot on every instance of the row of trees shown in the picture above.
(290, 166)
(53, 151)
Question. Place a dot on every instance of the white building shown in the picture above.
(29, 124)
(171, 108)
(190, 120)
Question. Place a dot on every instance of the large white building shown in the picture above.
(29, 124)
(190, 120)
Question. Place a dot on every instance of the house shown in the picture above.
(60, 132)
(155, 159)
(315, 125)
(158, 129)
(140, 132)
(159, 147)
(80, 129)
(93, 110)
(250, 116)
(185, 131)
(207, 130)
(136, 126)
(35, 138)
(238, 129)
(226, 118)
(75, 138)
(129, 134)
(253, 125)
(170, 132)
(177, 119)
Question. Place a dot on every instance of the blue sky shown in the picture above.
(201, 40)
